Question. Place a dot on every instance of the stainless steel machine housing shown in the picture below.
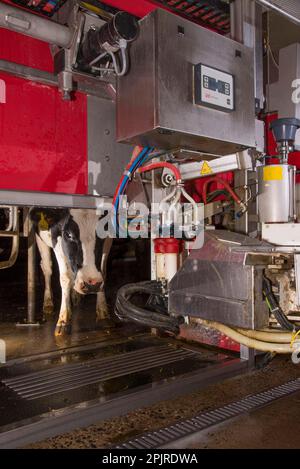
(156, 100)
(223, 281)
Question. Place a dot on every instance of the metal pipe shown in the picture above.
(31, 304)
(237, 21)
(47, 199)
(15, 235)
(11, 222)
(94, 86)
(34, 26)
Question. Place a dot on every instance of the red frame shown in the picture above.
(137, 7)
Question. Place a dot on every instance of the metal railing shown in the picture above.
(11, 231)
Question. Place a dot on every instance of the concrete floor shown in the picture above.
(274, 426)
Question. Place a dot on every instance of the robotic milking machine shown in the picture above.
(243, 280)
(191, 100)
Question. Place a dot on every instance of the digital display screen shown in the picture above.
(214, 88)
(216, 85)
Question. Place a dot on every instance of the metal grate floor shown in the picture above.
(69, 377)
(168, 435)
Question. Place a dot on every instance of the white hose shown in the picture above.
(123, 71)
(247, 341)
(192, 201)
(169, 196)
(97, 59)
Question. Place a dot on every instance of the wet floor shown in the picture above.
(22, 340)
(38, 386)
(277, 425)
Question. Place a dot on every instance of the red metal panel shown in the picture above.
(43, 140)
(139, 8)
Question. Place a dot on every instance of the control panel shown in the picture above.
(214, 88)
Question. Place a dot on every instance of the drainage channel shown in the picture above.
(184, 432)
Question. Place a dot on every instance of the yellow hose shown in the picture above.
(248, 341)
(97, 10)
(268, 336)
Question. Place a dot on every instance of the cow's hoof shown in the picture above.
(48, 310)
(63, 330)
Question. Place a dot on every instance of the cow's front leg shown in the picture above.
(63, 325)
(102, 312)
(46, 265)
(66, 276)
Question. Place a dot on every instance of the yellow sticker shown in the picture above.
(206, 169)
(273, 173)
(43, 224)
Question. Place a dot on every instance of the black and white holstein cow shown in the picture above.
(81, 256)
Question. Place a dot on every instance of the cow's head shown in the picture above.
(75, 229)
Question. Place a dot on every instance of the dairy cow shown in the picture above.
(81, 256)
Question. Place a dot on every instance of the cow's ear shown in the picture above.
(45, 218)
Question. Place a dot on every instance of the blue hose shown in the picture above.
(139, 161)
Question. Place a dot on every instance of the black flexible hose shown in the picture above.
(275, 308)
(127, 311)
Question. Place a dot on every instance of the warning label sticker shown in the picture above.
(206, 169)
(273, 173)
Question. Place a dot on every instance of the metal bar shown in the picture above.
(46, 199)
(38, 378)
(236, 21)
(8, 234)
(195, 170)
(31, 260)
(102, 87)
(34, 26)
(15, 235)
(28, 73)
(297, 277)
(92, 378)
(280, 10)
(247, 28)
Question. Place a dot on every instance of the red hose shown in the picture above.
(134, 155)
(224, 183)
(170, 166)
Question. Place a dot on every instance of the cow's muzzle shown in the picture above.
(89, 289)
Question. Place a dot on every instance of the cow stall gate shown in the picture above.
(61, 149)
